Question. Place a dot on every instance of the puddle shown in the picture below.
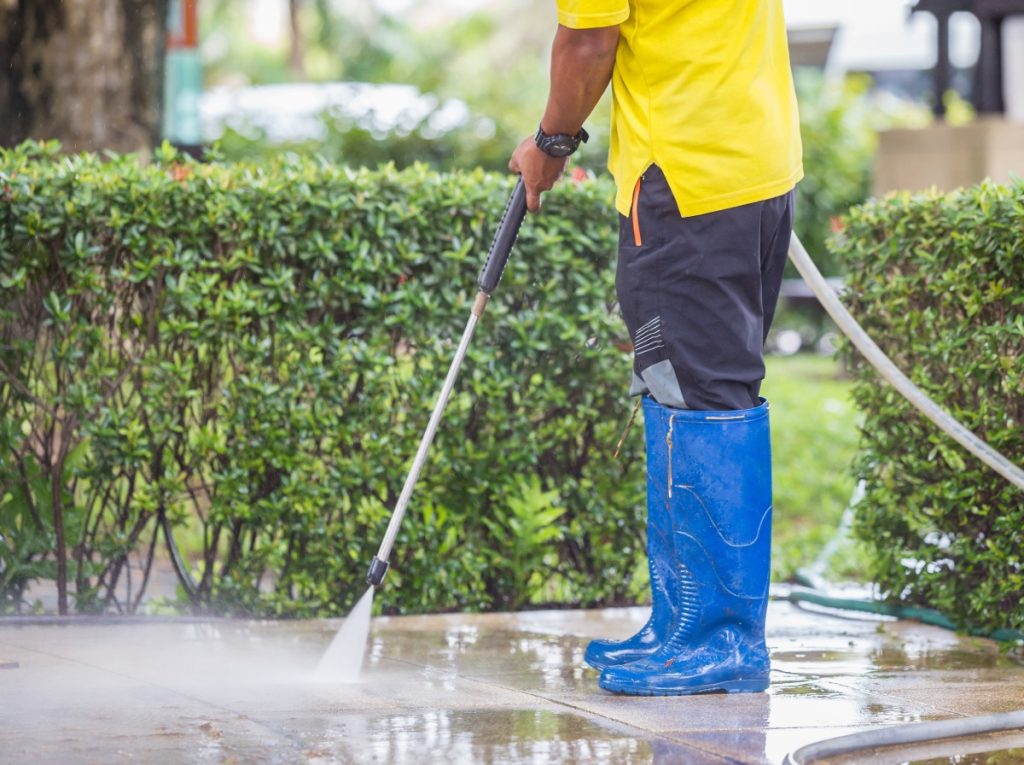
(916, 657)
(822, 663)
(799, 689)
(498, 736)
(475, 653)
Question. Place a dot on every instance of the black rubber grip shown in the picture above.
(504, 239)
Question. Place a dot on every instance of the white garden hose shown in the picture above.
(906, 735)
(945, 422)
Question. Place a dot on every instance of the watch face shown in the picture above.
(559, 147)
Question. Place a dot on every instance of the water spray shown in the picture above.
(498, 256)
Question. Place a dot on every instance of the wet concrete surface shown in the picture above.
(458, 688)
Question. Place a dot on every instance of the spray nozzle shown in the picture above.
(375, 575)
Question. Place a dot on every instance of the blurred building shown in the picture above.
(920, 51)
(884, 39)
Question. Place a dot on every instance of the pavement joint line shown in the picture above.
(592, 714)
(645, 732)
(677, 739)
(797, 674)
(933, 708)
(595, 715)
(581, 711)
(889, 695)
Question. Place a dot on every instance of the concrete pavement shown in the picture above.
(460, 688)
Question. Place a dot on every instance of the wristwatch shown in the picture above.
(559, 144)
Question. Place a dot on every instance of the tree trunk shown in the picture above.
(88, 73)
(295, 57)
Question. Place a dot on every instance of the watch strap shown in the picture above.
(546, 140)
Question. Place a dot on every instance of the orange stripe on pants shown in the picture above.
(637, 240)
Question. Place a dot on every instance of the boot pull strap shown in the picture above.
(629, 426)
(668, 440)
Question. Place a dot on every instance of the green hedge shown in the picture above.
(938, 281)
(250, 355)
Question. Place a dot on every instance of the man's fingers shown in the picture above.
(534, 166)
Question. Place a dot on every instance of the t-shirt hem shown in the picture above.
(739, 198)
(592, 20)
(624, 199)
(624, 192)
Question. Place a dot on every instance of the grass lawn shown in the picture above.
(814, 436)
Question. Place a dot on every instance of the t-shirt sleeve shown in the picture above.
(588, 14)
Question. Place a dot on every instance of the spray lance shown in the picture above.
(493, 268)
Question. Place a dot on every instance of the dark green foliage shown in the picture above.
(251, 353)
(938, 281)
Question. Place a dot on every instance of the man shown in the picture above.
(705, 151)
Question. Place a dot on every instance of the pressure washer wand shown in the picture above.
(501, 248)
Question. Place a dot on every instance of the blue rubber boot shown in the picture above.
(606, 653)
(720, 507)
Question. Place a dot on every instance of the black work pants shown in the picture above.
(698, 295)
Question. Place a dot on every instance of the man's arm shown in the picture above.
(581, 66)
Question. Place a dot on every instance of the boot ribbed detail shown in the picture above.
(687, 616)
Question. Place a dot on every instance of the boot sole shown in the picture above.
(755, 685)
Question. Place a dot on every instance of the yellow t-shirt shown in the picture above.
(703, 89)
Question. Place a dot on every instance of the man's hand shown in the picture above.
(581, 67)
(539, 170)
